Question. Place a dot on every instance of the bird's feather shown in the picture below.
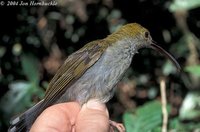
(73, 68)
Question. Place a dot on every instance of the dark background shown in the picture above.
(35, 40)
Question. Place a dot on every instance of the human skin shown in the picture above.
(71, 117)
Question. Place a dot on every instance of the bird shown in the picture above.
(92, 72)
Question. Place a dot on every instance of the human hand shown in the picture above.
(71, 117)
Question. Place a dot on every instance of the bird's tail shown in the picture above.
(24, 122)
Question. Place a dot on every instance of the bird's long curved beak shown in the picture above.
(162, 51)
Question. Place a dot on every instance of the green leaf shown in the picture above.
(195, 69)
(168, 68)
(30, 67)
(146, 118)
(18, 98)
(176, 125)
(190, 109)
(184, 5)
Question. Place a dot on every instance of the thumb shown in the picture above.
(93, 117)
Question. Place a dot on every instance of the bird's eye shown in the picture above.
(146, 34)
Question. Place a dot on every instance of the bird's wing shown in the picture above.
(73, 68)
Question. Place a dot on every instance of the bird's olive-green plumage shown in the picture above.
(92, 72)
(127, 31)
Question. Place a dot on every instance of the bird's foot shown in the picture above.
(116, 126)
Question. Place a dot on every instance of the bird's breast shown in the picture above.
(100, 79)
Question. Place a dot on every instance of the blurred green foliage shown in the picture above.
(145, 118)
(20, 94)
(34, 41)
(30, 68)
(195, 69)
(184, 5)
(148, 118)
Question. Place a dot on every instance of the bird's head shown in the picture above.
(140, 37)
